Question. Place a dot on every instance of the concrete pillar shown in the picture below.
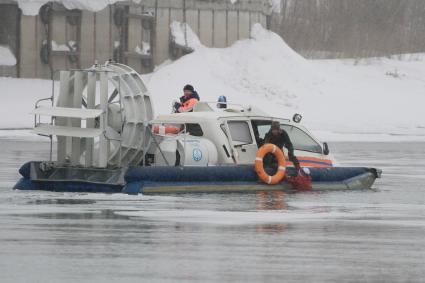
(32, 37)
(42, 70)
(134, 38)
(255, 18)
(263, 20)
(162, 35)
(58, 34)
(192, 20)
(87, 39)
(244, 27)
(176, 15)
(219, 30)
(29, 47)
(206, 27)
(232, 27)
(103, 40)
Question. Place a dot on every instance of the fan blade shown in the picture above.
(113, 95)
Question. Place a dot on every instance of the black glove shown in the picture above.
(176, 106)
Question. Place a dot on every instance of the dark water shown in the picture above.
(369, 236)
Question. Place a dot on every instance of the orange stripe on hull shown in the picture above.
(310, 158)
(307, 161)
(306, 164)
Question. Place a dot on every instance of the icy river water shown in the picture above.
(348, 236)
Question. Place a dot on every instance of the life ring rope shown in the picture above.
(259, 164)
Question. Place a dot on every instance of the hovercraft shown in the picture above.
(104, 138)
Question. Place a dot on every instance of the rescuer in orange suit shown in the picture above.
(187, 101)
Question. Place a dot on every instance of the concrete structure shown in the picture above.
(134, 34)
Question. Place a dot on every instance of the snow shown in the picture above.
(183, 35)
(250, 68)
(7, 58)
(333, 95)
(18, 98)
(145, 50)
(59, 47)
(275, 5)
(339, 99)
(363, 99)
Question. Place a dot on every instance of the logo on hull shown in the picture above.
(197, 154)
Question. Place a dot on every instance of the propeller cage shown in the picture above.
(100, 118)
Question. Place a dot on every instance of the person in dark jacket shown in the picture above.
(187, 101)
(280, 138)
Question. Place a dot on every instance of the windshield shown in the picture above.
(260, 128)
(301, 140)
(240, 132)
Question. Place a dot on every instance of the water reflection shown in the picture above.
(274, 200)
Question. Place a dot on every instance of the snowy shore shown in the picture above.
(369, 99)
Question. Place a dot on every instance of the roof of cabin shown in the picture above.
(210, 111)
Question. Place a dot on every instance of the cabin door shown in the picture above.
(242, 141)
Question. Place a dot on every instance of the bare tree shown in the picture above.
(347, 28)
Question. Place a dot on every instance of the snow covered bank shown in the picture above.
(18, 99)
(333, 95)
(367, 98)
(261, 71)
(375, 99)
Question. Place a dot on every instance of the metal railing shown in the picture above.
(148, 127)
(52, 99)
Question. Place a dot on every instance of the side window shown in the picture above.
(194, 130)
(301, 140)
(260, 128)
(239, 132)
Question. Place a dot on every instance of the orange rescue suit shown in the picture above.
(188, 105)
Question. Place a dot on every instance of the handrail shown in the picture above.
(52, 99)
(225, 103)
(149, 129)
(37, 106)
(157, 145)
(39, 122)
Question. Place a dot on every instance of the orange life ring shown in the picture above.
(259, 167)
(164, 130)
